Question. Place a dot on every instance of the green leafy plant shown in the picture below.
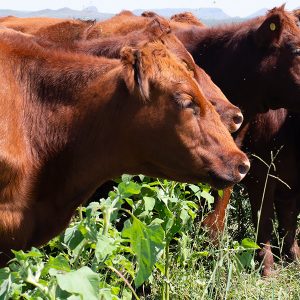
(142, 242)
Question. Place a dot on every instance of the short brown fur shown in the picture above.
(58, 113)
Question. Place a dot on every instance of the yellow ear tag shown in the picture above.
(272, 27)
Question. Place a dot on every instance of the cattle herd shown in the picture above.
(83, 102)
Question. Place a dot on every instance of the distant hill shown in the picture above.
(93, 13)
(209, 16)
(87, 13)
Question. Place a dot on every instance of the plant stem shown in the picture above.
(42, 288)
(106, 219)
(125, 281)
(269, 166)
(166, 283)
(75, 263)
(80, 212)
(167, 272)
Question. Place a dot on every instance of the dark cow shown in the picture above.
(262, 52)
(271, 132)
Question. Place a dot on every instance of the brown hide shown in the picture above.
(59, 111)
(186, 18)
(56, 30)
(110, 47)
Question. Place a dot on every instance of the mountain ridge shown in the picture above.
(93, 13)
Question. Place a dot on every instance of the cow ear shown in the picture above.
(135, 74)
(158, 27)
(269, 32)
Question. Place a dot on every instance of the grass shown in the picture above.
(218, 274)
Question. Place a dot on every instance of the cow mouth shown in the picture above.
(219, 182)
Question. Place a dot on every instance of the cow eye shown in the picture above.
(296, 51)
(190, 104)
(187, 102)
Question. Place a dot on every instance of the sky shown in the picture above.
(231, 7)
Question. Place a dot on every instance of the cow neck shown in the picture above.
(68, 118)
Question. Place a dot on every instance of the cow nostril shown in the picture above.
(243, 168)
(238, 119)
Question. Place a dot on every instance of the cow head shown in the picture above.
(278, 38)
(175, 131)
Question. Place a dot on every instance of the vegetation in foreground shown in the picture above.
(145, 241)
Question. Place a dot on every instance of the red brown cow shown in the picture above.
(186, 18)
(110, 47)
(58, 113)
(63, 31)
(261, 52)
(296, 12)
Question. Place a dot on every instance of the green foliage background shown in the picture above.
(145, 241)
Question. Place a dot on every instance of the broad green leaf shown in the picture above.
(184, 216)
(208, 197)
(129, 201)
(57, 263)
(21, 255)
(160, 266)
(205, 187)
(126, 177)
(4, 274)
(147, 243)
(72, 237)
(245, 260)
(249, 244)
(126, 295)
(105, 247)
(157, 221)
(5, 286)
(83, 282)
(128, 189)
(192, 204)
(105, 294)
(195, 188)
(149, 203)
